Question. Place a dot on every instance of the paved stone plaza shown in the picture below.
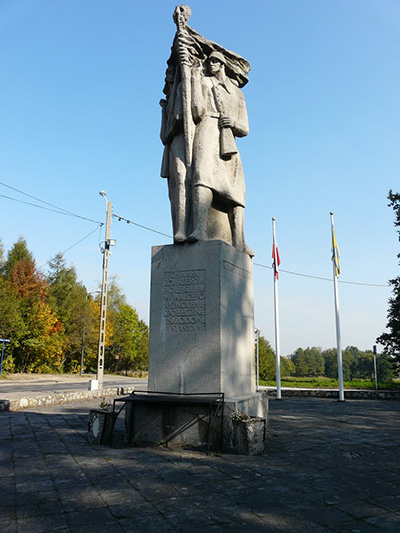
(328, 466)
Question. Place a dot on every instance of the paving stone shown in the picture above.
(42, 524)
(107, 527)
(88, 516)
(386, 522)
(327, 467)
(360, 509)
(128, 510)
(390, 503)
(8, 526)
(145, 524)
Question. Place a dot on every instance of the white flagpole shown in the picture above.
(338, 336)
(257, 332)
(276, 308)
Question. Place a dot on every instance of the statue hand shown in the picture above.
(183, 49)
(225, 122)
(197, 72)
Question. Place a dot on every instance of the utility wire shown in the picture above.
(140, 225)
(62, 211)
(34, 197)
(321, 278)
(68, 249)
(58, 210)
(119, 218)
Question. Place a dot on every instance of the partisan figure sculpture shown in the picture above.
(202, 115)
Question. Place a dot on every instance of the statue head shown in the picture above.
(216, 63)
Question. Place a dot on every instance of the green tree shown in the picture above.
(1, 255)
(287, 367)
(127, 342)
(362, 364)
(299, 361)
(390, 340)
(67, 298)
(19, 252)
(330, 359)
(266, 360)
(308, 362)
(315, 361)
(11, 325)
(384, 367)
(38, 342)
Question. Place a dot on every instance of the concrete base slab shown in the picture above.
(178, 425)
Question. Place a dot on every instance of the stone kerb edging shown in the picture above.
(348, 394)
(61, 397)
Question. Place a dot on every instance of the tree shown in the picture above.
(129, 342)
(300, 363)
(316, 365)
(127, 337)
(287, 367)
(36, 334)
(1, 255)
(391, 340)
(67, 298)
(266, 359)
(18, 252)
(308, 362)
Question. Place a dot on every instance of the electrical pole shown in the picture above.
(104, 286)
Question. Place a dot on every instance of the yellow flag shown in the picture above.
(335, 253)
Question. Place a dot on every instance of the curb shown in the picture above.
(61, 397)
(334, 394)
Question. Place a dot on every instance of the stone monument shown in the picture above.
(202, 303)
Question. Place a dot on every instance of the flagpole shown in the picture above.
(257, 332)
(276, 309)
(338, 335)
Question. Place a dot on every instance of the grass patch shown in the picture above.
(329, 383)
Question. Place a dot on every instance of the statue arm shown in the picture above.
(198, 100)
(163, 131)
(240, 127)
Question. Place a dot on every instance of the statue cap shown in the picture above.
(217, 55)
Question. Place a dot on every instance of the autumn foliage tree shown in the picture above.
(36, 334)
(51, 319)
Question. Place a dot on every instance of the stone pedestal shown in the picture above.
(201, 341)
(201, 320)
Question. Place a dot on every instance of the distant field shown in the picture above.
(328, 383)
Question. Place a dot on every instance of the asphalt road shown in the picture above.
(32, 385)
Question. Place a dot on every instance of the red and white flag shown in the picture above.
(277, 260)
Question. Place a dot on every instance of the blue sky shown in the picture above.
(81, 82)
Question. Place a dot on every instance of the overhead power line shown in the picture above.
(56, 209)
(62, 211)
(73, 245)
(321, 278)
(119, 218)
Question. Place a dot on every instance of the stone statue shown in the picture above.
(203, 114)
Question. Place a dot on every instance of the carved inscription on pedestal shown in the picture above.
(184, 302)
